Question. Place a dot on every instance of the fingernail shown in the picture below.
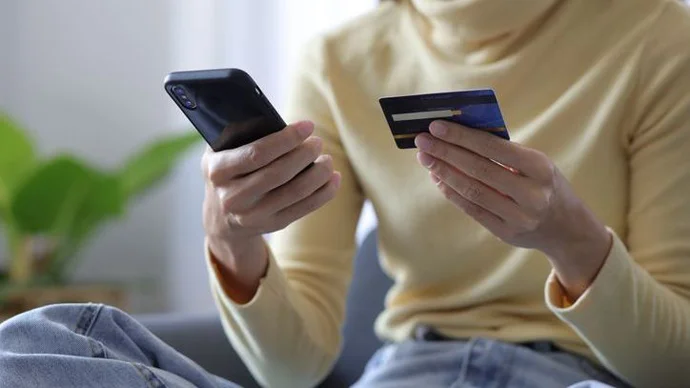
(425, 159)
(438, 128)
(304, 128)
(434, 179)
(337, 178)
(423, 142)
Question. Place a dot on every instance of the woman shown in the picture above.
(590, 209)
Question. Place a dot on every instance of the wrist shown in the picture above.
(239, 265)
(577, 262)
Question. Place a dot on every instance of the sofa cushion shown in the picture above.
(201, 338)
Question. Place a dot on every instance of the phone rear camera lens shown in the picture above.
(182, 97)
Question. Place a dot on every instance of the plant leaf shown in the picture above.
(66, 199)
(103, 201)
(16, 159)
(56, 189)
(154, 162)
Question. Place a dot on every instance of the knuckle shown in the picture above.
(244, 220)
(227, 206)
(481, 169)
(550, 171)
(472, 192)
(541, 201)
(229, 201)
(531, 224)
(540, 157)
(546, 169)
(211, 169)
(254, 155)
(214, 176)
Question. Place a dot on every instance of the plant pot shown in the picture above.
(18, 300)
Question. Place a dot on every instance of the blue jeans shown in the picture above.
(87, 345)
(481, 363)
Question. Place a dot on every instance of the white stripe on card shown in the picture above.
(432, 114)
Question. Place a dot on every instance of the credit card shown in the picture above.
(411, 115)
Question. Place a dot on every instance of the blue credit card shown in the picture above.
(411, 115)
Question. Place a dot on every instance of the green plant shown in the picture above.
(50, 207)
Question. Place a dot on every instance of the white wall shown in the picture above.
(6, 28)
(85, 77)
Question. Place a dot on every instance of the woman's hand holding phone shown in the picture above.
(260, 188)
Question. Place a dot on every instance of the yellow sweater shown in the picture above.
(602, 87)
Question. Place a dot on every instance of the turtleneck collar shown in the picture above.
(467, 25)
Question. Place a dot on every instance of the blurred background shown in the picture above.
(85, 77)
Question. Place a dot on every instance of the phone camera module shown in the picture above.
(178, 90)
(182, 97)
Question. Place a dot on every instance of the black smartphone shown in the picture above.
(226, 106)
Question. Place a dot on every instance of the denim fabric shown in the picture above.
(89, 345)
(76, 345)
(480, 363)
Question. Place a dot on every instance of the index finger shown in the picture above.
(229, 164)
(482, 143)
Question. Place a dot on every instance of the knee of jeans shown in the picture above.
(13, 370)
(33, 330)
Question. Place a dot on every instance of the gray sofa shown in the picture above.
(201, 338)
